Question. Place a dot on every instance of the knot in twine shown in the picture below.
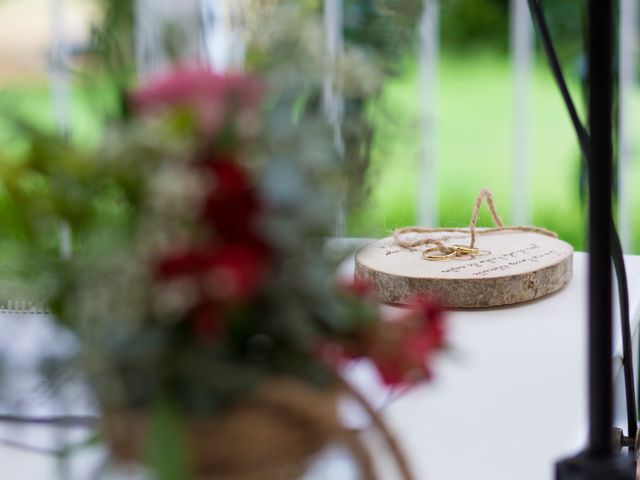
(445, 249)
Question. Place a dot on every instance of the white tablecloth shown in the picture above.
(512, 399)
(507, 402)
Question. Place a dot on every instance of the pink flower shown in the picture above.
(211, 97)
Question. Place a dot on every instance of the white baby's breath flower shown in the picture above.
(359, 74)
(176, 191)
(175, 298)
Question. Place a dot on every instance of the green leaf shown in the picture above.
(69, 450)
(166, 444)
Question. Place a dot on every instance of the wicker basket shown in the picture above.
(270, 436)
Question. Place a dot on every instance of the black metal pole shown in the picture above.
(600, 63)
(616, 247)
(600, 460)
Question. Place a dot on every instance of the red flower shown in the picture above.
(234, 273)
(230, 177)
(331, 353)
(336, 353)
(356, 287)
(403, 349)
(179, 263)
(434, 320)
(210, 96)
(230, 272)
(206, 322)
(231, 206)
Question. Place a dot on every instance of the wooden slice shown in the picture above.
(515, 267)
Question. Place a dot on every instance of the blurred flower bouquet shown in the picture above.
(199, 288)
(211, 326)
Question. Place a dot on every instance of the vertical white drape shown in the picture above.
(60, 93)
(60, 88)
(166, 32)
(521, 54)
(209, 32)
(223, 41)
(428, 60)
(333, 100)
(628, 52)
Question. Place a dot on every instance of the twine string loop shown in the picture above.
(451, 251)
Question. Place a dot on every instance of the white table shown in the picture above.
(512, 399)
(506, 404)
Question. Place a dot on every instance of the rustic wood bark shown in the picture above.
(514, 268)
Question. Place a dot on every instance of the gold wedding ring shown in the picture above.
(466, 250)
(437, 258)
(458, 251)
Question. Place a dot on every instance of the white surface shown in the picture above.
(511, 399)
(507, 403)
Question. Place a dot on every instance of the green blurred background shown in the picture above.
(474, 113)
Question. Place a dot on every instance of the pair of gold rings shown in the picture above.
(458, 251)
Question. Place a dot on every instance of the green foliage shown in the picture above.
(474, 150)
(387, 28)
(471, 24)
(114, 37)
(567, 22)
(113, 65)
(166, 443)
